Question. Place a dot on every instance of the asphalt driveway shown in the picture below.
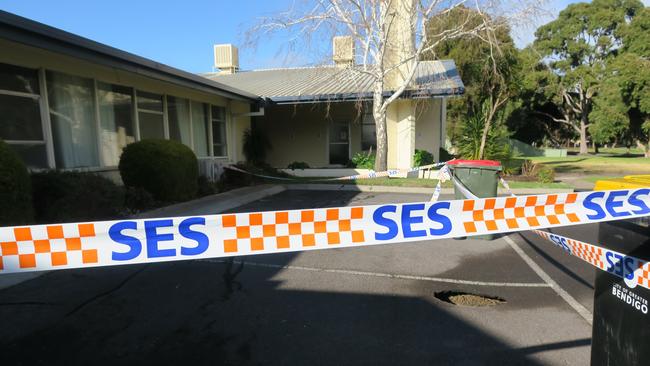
(373, 305)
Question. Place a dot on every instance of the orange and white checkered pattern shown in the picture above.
(643, 275)
(47, 247)
(589, 253)
(256, 232)
(517, 212)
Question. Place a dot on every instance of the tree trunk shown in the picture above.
(644, 147)
(381, 157)
(595, 147)
(486, 130)
(584, 148)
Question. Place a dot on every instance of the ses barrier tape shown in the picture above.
(370, 175)
(632, 270)
(106, 243)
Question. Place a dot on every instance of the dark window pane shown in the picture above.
(20, 118)
(200, 129)
(339, 154)
(18, 79)
(151, 126)
(368, 137)
(72, 112)
(149, 101)
(34, 156)
(116, 116)
(219, 138)
(178, 114)
(219, 113)
(339, 133)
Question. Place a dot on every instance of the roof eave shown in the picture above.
(34, 34)
(349, 97)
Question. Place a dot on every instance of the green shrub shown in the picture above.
(445, 155)
(546, 174)
(298, 165)
(422, 157)
(364, 160)
(166, 169)
(15, 189)
(206, 187)
(255, 145)
(70, 196)
(137, 199)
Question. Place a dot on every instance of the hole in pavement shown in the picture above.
(467, 299)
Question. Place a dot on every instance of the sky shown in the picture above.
(181, 33)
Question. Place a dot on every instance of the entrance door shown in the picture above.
(339, 143)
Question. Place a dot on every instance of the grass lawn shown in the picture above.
(602, 164)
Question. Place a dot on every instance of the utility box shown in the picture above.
(621, 325)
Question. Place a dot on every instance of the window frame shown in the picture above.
(46, 123)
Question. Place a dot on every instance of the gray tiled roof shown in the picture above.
(331, 83)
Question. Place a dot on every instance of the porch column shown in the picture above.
(400, 121)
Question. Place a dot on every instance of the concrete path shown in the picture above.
(373, 305)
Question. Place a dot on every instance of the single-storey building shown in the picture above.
(67, 102)
(323, 115)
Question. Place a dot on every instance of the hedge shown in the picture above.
(15, 189)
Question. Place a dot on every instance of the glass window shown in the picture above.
(339, 143)
(151, 126)
(116, 117)
(150, 116)
(219, 131)
(368, 132)
(200, 129)
(72, 113)
(178, 115)
(18, 79)
(21, 118)
(149, 101)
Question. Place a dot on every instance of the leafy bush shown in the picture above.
(70, 196)
(496, 144)
(166, 169)
(445, 155)
(15, 189)
(422, 157)
(137, 199)
(546, 174)
(298, 165)
(364, 160)
(206, 187)
(255, 145)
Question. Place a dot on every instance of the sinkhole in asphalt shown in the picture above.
(467, 299)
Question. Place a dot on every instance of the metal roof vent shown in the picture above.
(343, 51)
(226, 58)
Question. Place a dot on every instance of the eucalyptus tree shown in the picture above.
(576, 47)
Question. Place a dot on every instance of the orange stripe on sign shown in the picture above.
(551, 200)
(307, 216)
(86, 230)
(230, 245)
(468, 205)
(255, 219)
(571, 198)
(23, 234)
(531, 201)
(470, 227)
(511, 202)
(357, 213)
(477, 215)
(539, 210)
(512, 223)
(499, 213)
(332, 214)
(282, 242)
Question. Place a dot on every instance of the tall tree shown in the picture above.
(391, 38)
(487, 63)
(576, 46)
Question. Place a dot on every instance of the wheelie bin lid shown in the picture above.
(629, 181)
(485, 164)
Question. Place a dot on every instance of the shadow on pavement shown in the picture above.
(208, 313)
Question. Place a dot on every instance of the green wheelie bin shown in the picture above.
(480, 177)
